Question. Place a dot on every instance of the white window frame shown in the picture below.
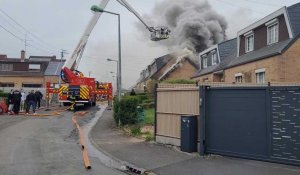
(239, 75)
(204, 57)
(257, 73)
(214, 57)
(34, 67)
(248, 35)
(274, 23)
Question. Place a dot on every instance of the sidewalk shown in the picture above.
(164, 160)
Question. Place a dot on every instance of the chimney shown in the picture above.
(22, 55)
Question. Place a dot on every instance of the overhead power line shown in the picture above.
(27, 31)
(22, 40)
(14, 27)
(17, 37)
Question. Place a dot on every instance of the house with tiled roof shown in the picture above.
(177, 65)
(265, 51)
(32, 72)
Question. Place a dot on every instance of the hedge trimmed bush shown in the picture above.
(3, 94)
(148, 101)
(126, 110)
(141, 98)
(148, 105)
(179, 81)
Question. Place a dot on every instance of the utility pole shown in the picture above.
(25, 43)
(62, 54)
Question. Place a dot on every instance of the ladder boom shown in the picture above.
(73, 61)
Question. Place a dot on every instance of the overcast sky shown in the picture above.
(59, 24)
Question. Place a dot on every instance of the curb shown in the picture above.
(128, 167)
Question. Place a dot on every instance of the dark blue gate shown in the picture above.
(260, 123)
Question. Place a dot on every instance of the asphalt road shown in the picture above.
(46, 145)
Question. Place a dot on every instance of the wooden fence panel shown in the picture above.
(168, 125)
(173, 101)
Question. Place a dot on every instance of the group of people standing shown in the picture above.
(20, 101)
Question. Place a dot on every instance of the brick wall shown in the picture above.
(205, 78)
(272, 72)
(18, 81)
(280, 68)
(290, 68)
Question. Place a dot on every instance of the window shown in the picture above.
(213, 58)
(260, 76)
(272, 36)
(249, 42)
(34, 67)
(7, 85)
(6, 67)
(29, 85)
(239, 78)
(204, 61)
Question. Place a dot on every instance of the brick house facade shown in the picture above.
(33, 72)
(266, 51)
(179, 65)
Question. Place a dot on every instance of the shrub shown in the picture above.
(135, 130)
(147, 101)
(149, 138)
(148, 105)
(126, 110)
(3, 94)
(141, 98)
(179, 81)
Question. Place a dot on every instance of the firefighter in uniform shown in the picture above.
(72, 99)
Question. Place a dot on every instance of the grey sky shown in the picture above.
(60, 25)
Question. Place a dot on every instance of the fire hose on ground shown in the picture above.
(85, 156)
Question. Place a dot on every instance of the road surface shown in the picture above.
(45, 145)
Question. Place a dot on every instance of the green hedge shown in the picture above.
(148, 101)
(141, 98)
(126, 110)
(179, 81)
(147, 105)
(3, 94)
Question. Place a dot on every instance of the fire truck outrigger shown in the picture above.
(84, 90)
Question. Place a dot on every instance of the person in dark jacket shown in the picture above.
(38, 96)
(16, 95)
(31, 101)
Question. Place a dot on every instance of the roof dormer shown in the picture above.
(209, 57)
(270, 30)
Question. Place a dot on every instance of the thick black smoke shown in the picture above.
(193, 23)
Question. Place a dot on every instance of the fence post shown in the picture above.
(155, 111)
(202, 95)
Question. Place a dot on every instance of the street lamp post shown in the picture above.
(118, 79)
(96, 8)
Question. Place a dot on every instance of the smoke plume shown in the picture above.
(193, 23)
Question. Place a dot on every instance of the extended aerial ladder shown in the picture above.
(83, 89)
